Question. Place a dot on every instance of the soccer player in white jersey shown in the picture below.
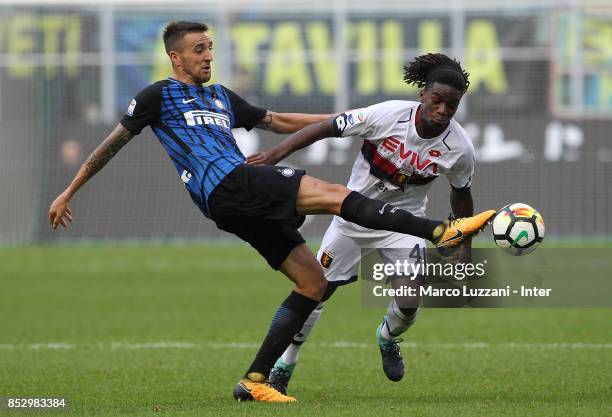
(406, 145)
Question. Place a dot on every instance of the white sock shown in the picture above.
(290, 356)
(396, 322)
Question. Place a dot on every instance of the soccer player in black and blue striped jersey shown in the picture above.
(263, 205)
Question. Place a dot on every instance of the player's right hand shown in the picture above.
(60, 213)
(261, 158)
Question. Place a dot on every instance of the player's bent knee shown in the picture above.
(314, 289)
(319, 286)
(316, 283)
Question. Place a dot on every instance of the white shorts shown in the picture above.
(340, 254)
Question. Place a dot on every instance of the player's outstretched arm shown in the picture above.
(301, 139)
(289, 122)
(59, 212)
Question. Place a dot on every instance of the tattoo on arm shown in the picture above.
(265, 123)
(107, 149)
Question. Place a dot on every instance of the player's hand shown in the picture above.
(59, 212)
(261, 158)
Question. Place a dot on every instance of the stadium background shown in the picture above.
(538, 108)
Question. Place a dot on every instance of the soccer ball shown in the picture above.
(518, 229)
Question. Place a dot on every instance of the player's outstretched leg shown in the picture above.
(284, 366)
(396, 322)
(319, 197)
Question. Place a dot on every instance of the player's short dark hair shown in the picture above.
(175, 31)
(430, 68)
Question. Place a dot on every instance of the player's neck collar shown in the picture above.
(172, 79)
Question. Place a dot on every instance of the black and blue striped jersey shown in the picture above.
(193, 123)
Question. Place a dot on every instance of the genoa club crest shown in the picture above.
(326, 259)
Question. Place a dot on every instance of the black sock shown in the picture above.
(375, 214)
(287, 321)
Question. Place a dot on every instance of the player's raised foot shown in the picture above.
(457, 230)
(392, 361)
(280, 375)
(257, 388)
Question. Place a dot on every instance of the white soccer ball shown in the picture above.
(518, 229)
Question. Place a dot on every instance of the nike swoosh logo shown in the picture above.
(457, 236)
(382, 209)
(522, 234)
(188, 101)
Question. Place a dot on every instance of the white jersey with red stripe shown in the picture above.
(395, 164)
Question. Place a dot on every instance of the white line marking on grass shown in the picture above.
(342, 344)
(153, 345)
(563, 345)
(232, 345)
(451, 345)
(338, 344)
(51, 346)
(7, 346)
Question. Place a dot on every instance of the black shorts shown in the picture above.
(258, 204)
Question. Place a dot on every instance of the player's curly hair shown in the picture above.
(430, 68)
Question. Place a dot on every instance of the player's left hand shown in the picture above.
(60, 213)
(261, 158)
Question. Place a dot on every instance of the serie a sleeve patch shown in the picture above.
(345, 122)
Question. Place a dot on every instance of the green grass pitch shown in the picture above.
(168, 330)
